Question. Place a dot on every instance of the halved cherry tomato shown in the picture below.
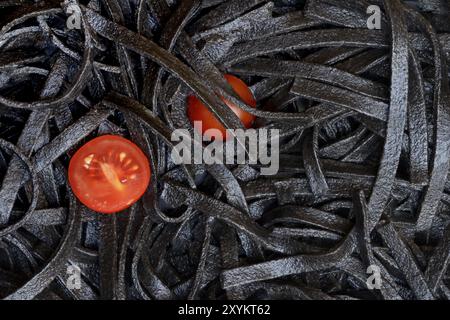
(197, 111)
(109, 173)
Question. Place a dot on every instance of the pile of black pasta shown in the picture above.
(364, 116)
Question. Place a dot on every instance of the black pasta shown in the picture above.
(364, 122)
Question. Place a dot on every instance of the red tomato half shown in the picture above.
(197, 111)
(109, 173)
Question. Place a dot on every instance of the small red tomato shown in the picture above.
(197, 111)
(109, 173)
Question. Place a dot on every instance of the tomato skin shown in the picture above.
(197, 111)
(109, 173)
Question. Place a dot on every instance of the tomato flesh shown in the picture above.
(109, 173)
(197, 111)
